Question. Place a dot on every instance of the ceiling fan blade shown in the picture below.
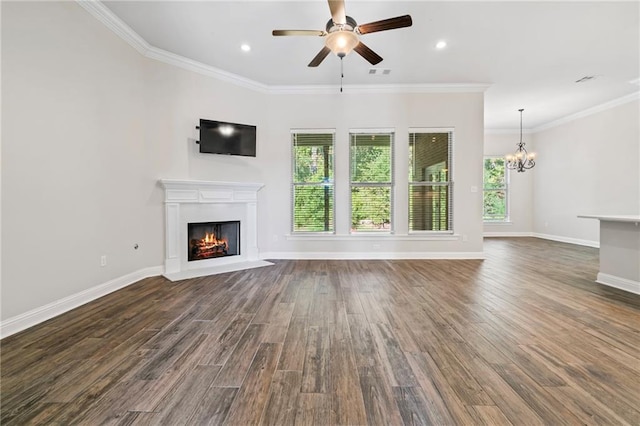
(338, 14)
(299, 33)
(386, 24)
(320, 57)
(371, 56)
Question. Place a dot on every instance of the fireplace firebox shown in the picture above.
(213, 239)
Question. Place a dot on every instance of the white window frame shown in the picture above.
(294, 184)
(506, 188)
(390, 184)
(450, 183)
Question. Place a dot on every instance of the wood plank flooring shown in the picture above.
(525, 337)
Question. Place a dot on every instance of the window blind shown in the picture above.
(312, 189)
(430, 183)
(371, 170)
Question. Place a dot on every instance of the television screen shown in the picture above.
(218, 137)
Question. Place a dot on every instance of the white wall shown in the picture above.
(92, 125)
(89, 126)
(176, 100)
(177, 105)
(463, 112)
(520, 185)
(587, 166)
(75, 176)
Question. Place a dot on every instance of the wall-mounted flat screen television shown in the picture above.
(218, 137)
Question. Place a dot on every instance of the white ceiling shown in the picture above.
(531, 53)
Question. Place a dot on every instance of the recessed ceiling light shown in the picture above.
(441, 44)
(245, 47)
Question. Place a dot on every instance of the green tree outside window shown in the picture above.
(495, 190)
(313, 194)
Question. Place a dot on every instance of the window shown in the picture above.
(430, 183)
(371, 165)
(495, 190)
(312, 188)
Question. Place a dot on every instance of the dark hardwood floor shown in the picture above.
(524, 337)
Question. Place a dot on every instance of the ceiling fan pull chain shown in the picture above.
(341, 72)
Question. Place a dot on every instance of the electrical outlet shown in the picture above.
(103, 260)
(376, 246)
(465, 237)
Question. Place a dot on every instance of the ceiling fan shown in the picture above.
(343, 34)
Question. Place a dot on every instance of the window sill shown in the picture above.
(499, 223)
(367, 237)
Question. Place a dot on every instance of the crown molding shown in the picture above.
(126, 33)
(200, 68)
(593, 110)
(507, 131)
(596, 109)
(115, 24)
(379, 88)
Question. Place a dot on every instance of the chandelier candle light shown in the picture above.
(521, 160)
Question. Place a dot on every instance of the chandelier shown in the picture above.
(521, 160)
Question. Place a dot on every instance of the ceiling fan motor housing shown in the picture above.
(350, 25)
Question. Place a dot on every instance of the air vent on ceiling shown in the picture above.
(379, 71)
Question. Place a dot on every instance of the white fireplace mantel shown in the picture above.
(190, 201)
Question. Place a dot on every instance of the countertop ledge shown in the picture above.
(613, 218)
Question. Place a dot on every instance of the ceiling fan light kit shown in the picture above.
(341, 42)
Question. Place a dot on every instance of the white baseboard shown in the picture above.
(558, 238)
(507, 234)
(617, 282)
(370, 255)
(53, 309)
(569, 240)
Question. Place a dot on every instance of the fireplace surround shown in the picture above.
(201, 202)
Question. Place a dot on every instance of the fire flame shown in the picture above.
(210, 241)
(207, 246)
